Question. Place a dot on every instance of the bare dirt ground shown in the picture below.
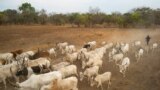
(144, 75)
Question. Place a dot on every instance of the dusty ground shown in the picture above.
(144, 75)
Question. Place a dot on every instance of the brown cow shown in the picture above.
(39, 54)
(16, 52)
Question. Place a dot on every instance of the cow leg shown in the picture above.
(4, 82)
(109, 83)
(101, 86)
(16, 78)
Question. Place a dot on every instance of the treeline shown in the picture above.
(138, 17)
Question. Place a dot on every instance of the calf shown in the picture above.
(101, 78)
(89, 72)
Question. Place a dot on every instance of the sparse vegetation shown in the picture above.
(27, 14)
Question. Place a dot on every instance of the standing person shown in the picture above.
(148, 39)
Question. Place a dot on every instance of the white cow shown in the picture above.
(101, 78)
(124, 65)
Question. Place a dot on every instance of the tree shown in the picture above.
(157, 16)
(93, 16)
(75, 18)
(42, 17)
(146, 16)
(95, 10)
(132, 19)
(26, 8)
(28, 13)
(117, 19)
(2, 18)
(58, 19)
(10, 16)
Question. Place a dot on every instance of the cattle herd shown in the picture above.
(37, 70)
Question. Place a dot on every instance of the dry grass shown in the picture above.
(32, 37)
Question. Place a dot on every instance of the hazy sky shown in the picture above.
(66, 6)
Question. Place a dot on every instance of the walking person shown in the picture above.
(148, 39)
